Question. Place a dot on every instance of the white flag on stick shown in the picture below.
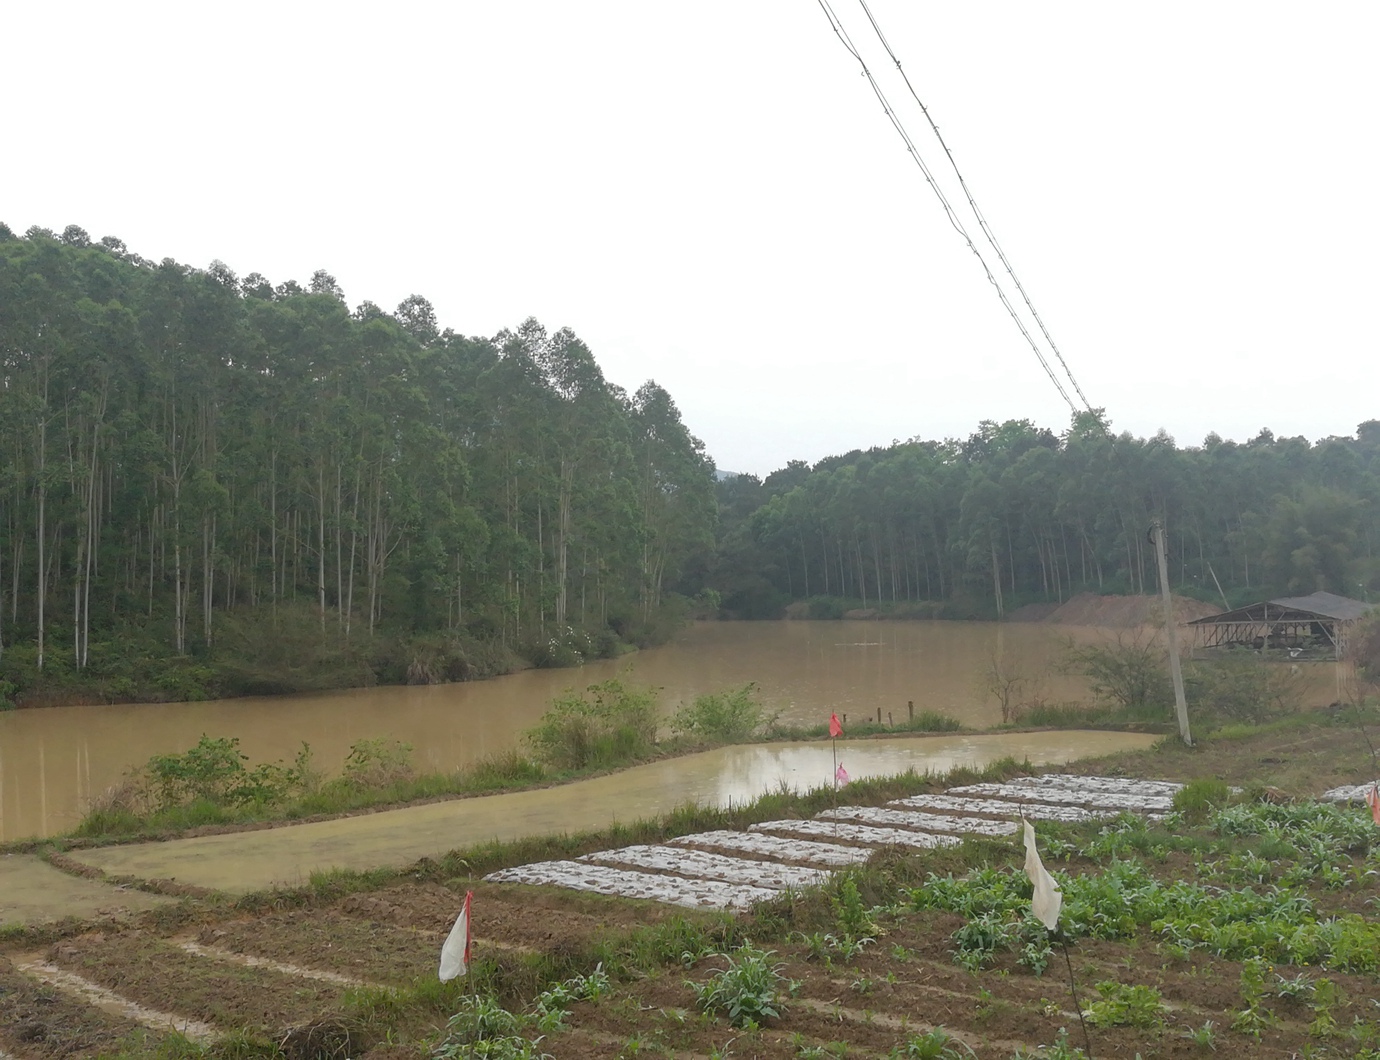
(455, 953)
(1047, 900)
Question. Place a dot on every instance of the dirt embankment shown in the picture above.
(1112, 612)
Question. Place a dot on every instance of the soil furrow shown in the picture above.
(157, 973)
(108, 1000)
(250, 961)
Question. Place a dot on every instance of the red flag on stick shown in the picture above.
(835, 729)
(840, 775)
(455, 954)
(1373, 801)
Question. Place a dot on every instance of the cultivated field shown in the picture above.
(1241, 925)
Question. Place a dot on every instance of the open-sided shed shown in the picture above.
(1298, 627)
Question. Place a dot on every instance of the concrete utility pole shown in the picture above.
(1171, 631)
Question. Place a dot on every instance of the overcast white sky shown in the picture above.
(710, 196)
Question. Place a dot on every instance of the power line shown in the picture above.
(981, 220)
(837, 26)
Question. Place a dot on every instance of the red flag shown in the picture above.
(455, 954)
(835, 729)
(1373, 801)
(840, 775)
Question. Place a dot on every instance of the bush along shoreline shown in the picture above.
(291, 653)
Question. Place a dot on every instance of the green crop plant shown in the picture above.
(1036, 956)
(1125, 1006)
(979, 940)
(938, 1044)
(854, 919)
(1298, 988)
(1204, 1037)
(1324, 998)
(484, 1030)
(747, 991)
(823, 946)
(1060, 1050)
(1253, 1018)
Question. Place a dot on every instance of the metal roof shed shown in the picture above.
(1299, 627)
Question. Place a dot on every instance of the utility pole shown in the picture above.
(1171, 631)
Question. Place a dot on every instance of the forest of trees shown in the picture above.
(210, 484)
(185, 453)
(1016, 514)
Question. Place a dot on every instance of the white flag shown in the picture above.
(1047, 900)
(455, 953)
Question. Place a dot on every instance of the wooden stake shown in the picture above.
(1073, 989)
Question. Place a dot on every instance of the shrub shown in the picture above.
(567, 646)
(1246, 690)
(727, 716)
(608, 724)
(214, 772)
(1129, 672)
(1365, 649)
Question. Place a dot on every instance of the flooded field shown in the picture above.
(52, 762)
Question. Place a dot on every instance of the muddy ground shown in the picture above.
(353, 974)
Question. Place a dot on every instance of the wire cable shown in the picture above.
(981, 220)
(839, 31)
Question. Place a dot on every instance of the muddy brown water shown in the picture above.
(54, 761)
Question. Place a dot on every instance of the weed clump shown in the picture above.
(730, 717)
(1198, 798)
(607, 724)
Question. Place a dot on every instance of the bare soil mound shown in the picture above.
(1032, 612)
(1112, 612)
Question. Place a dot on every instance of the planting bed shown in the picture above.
(775, 848)
(862, 834)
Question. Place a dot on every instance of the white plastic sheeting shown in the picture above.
(706, 879)
(927, 822)
(1069, 797)
(1348, 792)
(703, 865)
(1112, 785)
(1002, 808)
(858, 833)
(627, 883)
(830, 855)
